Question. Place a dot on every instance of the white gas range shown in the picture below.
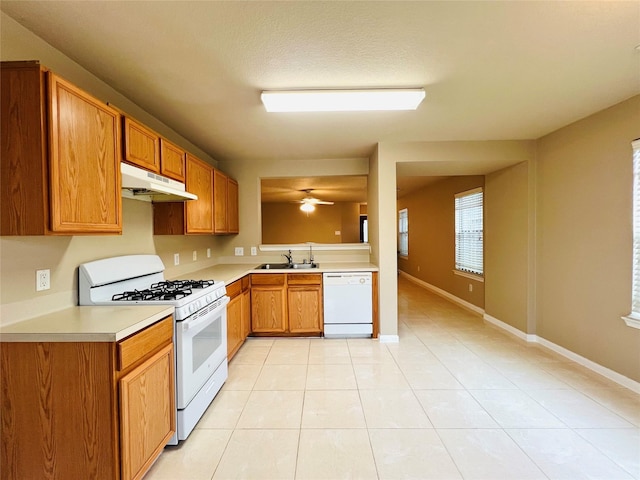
(200, 323)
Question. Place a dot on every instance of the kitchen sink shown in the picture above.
(287, 266)
(271, 266)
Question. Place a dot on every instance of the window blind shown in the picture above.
(469, 231)
(635, 307)
(403, 232)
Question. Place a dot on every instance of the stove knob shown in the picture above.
(192, 308)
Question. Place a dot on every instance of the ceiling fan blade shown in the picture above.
(315, 201)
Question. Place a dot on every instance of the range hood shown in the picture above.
(140, 184)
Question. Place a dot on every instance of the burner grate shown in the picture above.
(153, 294)
(180, 284)
(165, 290)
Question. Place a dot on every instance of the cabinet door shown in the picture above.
(305, 309)
(268, 313)
(141, 146)
(199, 180)
(220, 202)
(84, 162)
(246, 314)
(234, 326)
(171, 160)
(147, 412)
(232, 206)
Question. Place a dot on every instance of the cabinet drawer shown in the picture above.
(234, 289)
(138, 346)
(267, 279)
(304, 279)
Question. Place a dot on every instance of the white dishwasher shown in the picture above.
(347, 304)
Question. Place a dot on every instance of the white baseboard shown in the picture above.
(389, 338)
(596, 367)
(585, 362)
(512, 330)
(443, 293)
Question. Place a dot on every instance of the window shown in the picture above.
(403, 232)
(633, 320)
(469, 232)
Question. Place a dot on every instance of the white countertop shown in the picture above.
(231, 272)
(86, 324)
(113, 323)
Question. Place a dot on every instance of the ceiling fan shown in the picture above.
(309, 202)
(312, 200)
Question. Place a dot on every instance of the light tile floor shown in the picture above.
(455, 398)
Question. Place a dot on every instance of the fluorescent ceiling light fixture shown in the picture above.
(342, 100)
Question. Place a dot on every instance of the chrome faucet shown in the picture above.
(310, 254)
(288, 257)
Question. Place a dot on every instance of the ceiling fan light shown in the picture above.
(307, 207)
(342, 100)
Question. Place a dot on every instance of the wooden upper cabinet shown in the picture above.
(141, 145)
(199, 180)
(62, 149)
(232, 206)
(85, 162)
(146, 149)
(172, 160)
(225, 202)
(220, 223)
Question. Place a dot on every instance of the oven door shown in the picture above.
(201, 346)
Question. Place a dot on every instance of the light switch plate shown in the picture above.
(176, 259)
(195, 255)
(208, 253)
(254, 251)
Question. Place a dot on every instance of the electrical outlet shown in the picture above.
(239, 251)
(195, 255)
(471, 287)
(176, 259)
(208, 253)
(43, 281)
(254, 251)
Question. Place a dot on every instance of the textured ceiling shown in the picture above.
(333, 189)
(491, 70)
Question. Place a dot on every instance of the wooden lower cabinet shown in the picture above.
(147, 413)
(304, 297)
(246, 309)
(286, 304)
(238, 315)
(268, 303)
(87, 410)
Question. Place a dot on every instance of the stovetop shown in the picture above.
(139, 279)
(166, 290)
